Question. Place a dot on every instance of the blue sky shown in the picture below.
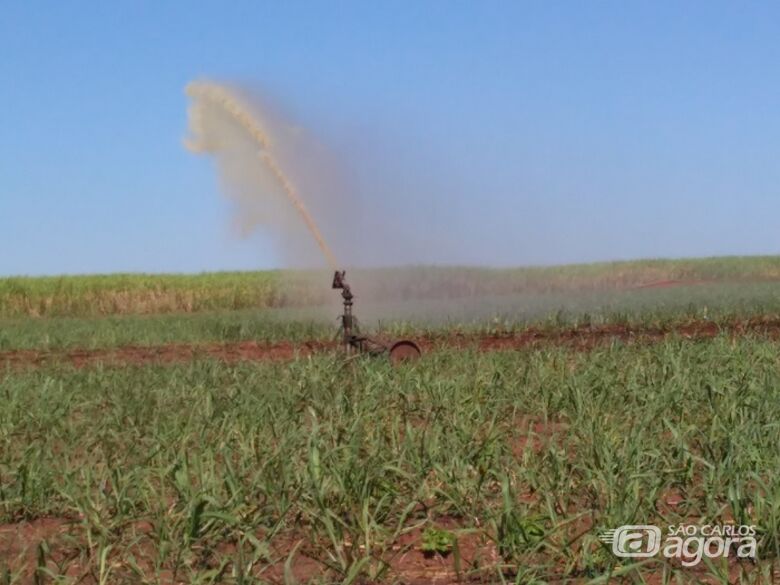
(525, 132)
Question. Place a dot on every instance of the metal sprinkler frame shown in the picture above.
(403, 350)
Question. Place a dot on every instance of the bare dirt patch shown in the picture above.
(582, 338)
(671, 283)
(30, 548)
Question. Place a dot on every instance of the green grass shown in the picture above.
(240, 471)
(137, 293)
(143, 294)
(717, 302)
(55, 333)
(206, 472)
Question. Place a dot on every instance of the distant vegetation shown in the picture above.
(171, 293)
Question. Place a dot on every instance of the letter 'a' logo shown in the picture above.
(633, 540)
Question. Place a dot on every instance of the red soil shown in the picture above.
(579, 338)
(670, 283)
(19, 542)
(164, 354)
(32, 548)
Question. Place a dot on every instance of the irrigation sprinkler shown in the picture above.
(354, 343)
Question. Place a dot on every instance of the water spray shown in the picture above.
(234, 106)
(240, 112)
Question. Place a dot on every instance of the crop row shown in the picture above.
(210, 472)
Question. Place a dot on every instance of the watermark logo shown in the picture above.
(687, 542)
(634, 540)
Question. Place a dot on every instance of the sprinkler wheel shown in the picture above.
(404, 351)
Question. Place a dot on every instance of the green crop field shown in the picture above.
(467, 466)
(139, 294)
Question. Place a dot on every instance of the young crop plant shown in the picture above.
(437, 541)
(499, 466)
